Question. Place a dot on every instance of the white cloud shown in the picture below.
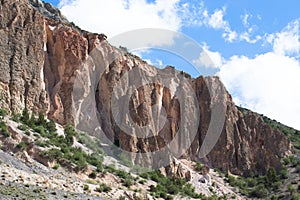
(269, 83)
(245, 19)
(115, 17)
(287, 41)
(208, 59)
(216, 21)
(245, 36)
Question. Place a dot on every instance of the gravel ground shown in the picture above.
(11, 189)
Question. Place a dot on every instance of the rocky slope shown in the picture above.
(45, 61)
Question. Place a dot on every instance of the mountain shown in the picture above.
(51, 66)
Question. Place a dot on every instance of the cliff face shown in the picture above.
(45, 61)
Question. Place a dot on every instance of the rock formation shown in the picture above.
(44, 59)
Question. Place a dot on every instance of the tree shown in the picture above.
(51, 127)
(41, 120)
(31, 121)
(271, 176)
(69, 135)
(25, 116)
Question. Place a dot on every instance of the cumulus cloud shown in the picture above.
(119, 16)
(216, 21)
(287, 41)
(208, 59)
(269, 83)
(115, 17)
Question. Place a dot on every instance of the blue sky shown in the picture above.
(254, 45)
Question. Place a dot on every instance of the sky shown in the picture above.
(253, 46)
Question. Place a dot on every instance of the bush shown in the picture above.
(27, 133)
(198, 167)
(41, 120)
(86, 187)
(4, 129)
(51, 126)
(15, 117)
(103, 188)
(260, 191)
(284, 173)
(23, 127)
(25, 116)
(52, 154)
(127, 182)
(3, 112)
(22, 145)
(95, 160)
(93, 175)
(231, 180)
(271, 176)
(41, 130)
(69, 135)
(56, 166)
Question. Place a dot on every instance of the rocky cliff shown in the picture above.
(48, 65)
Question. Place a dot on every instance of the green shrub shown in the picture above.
(4, 129)
(295, 196)
(27, 133)
(188, 190)
(251, 182)
(41, 120)
(25, 116)
(40, 143)
(23, 127)
(198, 166)
(127, 182)
(22, 145)
(3, 112)
(93, 175)
(52, 154)
(91, 143)
(259, 192)
(56, 166)
(284, 173)
(231, 180)
(291, 189)
(51, 127)
(103, 188)
(95, 160)
(271, 176)
(15, 117)
(122, 198)
(86, 187)
(41, 130)
(31, 122)
(69, 135)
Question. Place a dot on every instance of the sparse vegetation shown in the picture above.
(103, 188)
(22, 145)
(198, 166)
(86, 187)
(3, 113)
(167, 186)
(4, 129)
(292, 134)
(259, 186)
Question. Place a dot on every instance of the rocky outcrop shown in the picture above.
(48, 66)
(22, 57)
